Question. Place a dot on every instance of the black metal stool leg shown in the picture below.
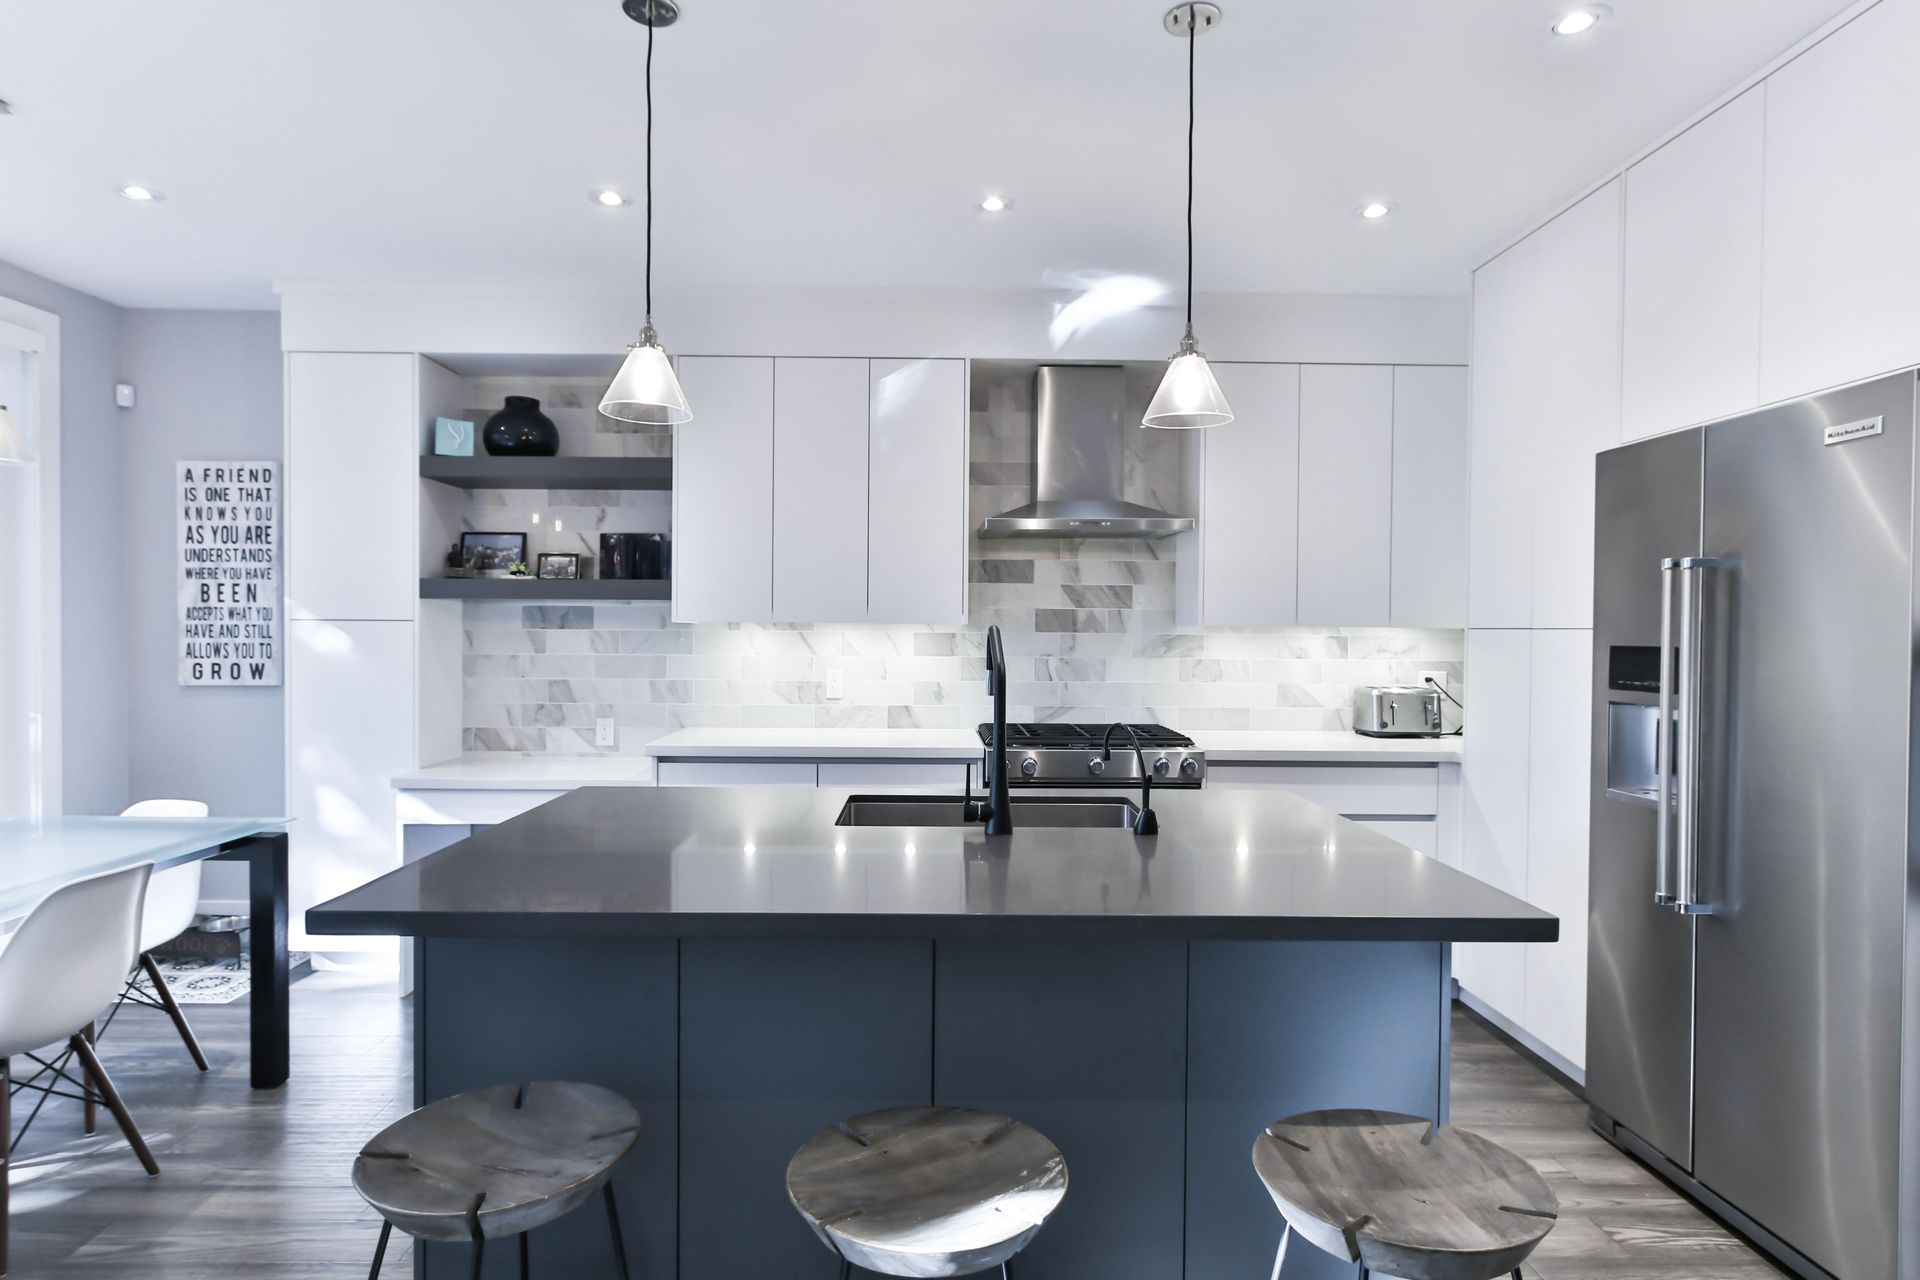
(479, 1254)
(613, 1228)
(380, 1250)
(846, 1270)
(523, 1255)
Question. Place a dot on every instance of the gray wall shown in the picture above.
(93, 619)
(208, 386)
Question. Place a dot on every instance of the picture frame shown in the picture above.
(453, 438)
(558, 564)
(492, 554)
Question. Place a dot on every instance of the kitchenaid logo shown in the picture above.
(1854, 430)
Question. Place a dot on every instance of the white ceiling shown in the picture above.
(811, 145)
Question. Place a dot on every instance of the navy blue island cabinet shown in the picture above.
(748, 972)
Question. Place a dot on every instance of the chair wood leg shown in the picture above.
(89, 1108)
(121, 1116)
(173, 1009)
(613, 1229)
(380, 1249)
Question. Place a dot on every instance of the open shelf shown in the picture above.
(537, 589)
(483, 471)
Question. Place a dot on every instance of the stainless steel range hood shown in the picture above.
(1079, 455)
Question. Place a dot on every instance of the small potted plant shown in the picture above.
(518, 569)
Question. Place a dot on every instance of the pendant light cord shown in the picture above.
(1193, 38)
(651, 15)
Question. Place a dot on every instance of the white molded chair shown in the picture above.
(65, 963)
(173, 896)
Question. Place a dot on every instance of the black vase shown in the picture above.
(521, 431)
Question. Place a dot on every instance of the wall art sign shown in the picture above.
(229, 582)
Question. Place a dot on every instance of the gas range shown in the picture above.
(1068, 755)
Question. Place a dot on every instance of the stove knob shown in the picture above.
(1163, 766)
(1096, 766)
(1189, 768)
(1029, 767)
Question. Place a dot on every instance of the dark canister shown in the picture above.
(520, 430)
(650, 556)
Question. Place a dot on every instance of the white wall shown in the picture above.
(1029, 326)
(208, 386)
(93, 705)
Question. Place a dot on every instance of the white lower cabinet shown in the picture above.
(1558, 794)
(1422, 835)
(350, 725)
(737, 773)
(933, 776)
(1493, 779)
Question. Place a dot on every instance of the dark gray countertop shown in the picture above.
(678, 862)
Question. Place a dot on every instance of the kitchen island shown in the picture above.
(747, 971)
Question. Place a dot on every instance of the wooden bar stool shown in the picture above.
(1402, 1195)
(497, 1162)
(927, 1191)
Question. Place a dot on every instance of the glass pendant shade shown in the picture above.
(1189, 396)
(645, 389)
(14, 449)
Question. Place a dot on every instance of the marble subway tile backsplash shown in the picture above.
(538, 676)
(1088, 627)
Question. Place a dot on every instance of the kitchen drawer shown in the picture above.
(918, 775)
(737, 773)
(1366, 789)
(1419, 834)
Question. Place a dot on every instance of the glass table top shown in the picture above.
(37, 856)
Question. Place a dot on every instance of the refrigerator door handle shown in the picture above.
(1686, 869)
(1665, 890)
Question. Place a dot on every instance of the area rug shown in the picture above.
(211, 980)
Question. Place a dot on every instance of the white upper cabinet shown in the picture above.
(1429, 497)
(1346, 495)
(723, 492)
(820, 490)
(1842, 267)
(1238, 568)
(1692, 304)
(1546, 399)
(353, 447)
(917, 492)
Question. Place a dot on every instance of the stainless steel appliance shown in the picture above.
(1751, 1029)
(1079, 462)
(1070, 755)
(1396, 711)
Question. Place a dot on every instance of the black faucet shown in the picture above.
(999, 808)
(1146, 824)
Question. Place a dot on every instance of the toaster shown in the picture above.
(1396, 711)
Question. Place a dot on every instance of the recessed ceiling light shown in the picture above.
(608, 198)
(995, 204)
(1576, 21)
(139, 194)
(1375, 210)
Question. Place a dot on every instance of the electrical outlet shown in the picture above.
(1439, 678)
(604, 732)
(836, 684)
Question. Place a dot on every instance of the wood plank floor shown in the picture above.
(254, 1186)
(1617, 1221)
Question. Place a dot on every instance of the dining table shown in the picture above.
(38, 855)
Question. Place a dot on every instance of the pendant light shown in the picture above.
(14, 449)
(1189, 396)
(645, 389)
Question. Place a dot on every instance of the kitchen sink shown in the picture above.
(1115, 812)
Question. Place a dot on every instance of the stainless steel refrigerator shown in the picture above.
(1754, 955)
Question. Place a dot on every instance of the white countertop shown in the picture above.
(1335, 746)
(490, 771)
(817, 744)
